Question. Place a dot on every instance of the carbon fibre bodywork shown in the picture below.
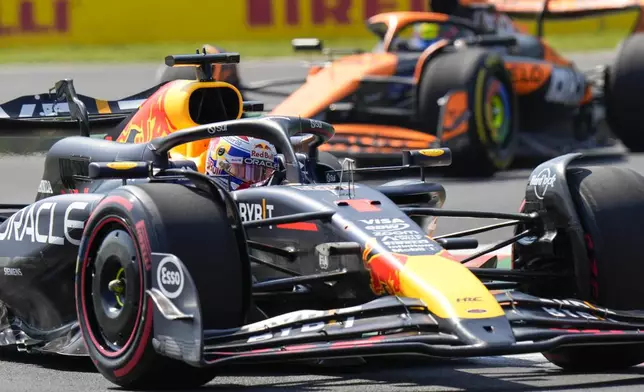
(327, 267)
(365, 242)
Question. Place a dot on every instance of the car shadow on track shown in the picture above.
(49, 361)
(402, 373)
(427, 375)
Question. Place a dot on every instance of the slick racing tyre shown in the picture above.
(607, 199)
(484, 142)
(225, 73)
(623, 93)
(113, 273)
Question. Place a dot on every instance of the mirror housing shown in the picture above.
(430, 157)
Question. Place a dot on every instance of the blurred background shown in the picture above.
(146, 30)
(115, 48)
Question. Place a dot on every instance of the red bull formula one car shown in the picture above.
(476, 85)
(160, 275)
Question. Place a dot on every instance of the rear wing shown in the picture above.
(50, 114)
(574, 16)
(47, 106)
(563, 7)
(46, 113)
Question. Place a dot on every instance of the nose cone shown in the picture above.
(448, 288)
(462, 305)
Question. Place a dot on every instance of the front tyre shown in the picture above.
(114, 312)
(607, 200)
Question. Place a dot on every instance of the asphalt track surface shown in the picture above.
(20, 175)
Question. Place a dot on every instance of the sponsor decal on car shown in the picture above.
(316, 124)
(249, 212)
(40, 223)
(45, 187)
(408, 242)
(384, 225)
(575, 314)
(12, 271)
(576, 303)
(170, 277)
(542, 181)
(398, 236)
(217, 129)
(300, 316)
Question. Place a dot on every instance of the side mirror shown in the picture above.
(431, 157)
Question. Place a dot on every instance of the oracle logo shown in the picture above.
(261, 13)
(23, 20)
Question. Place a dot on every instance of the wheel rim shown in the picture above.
(118, 287)
(497, 111)
(111, 285)
(112, 288)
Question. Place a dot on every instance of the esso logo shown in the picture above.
(170, 277)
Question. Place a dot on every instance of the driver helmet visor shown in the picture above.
(258, 171)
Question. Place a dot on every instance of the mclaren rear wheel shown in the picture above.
(610, 204)
(480, 116)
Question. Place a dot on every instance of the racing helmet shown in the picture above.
(239, 162)
(425, 34)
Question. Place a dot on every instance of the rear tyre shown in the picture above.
(114, 312)
(623, 90)
(489, 140)
(606, 199)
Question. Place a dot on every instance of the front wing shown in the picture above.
(386, 326)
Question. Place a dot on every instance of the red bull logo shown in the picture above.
(151, 121)
(384, 270)
(262, 151)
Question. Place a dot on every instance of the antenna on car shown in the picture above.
(350, 182)
(77, 109)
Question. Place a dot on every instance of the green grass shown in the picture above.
(156, 52)
(605, 40)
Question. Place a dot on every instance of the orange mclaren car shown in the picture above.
(473, 83)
